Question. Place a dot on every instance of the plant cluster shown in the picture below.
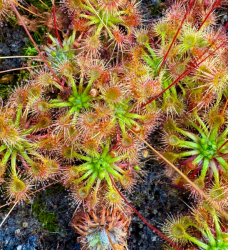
(103, 23)
(203, 228)
(187, 59)
(203, 150)
(103, 88)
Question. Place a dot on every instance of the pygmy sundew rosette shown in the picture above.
(19, 132)
(91, 182)
(200, 147)
(204, 229)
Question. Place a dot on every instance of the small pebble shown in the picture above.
(25, 224)
(17, 232)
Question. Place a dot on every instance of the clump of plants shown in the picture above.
(202, 147)
(202, 229)
(103, 22)
(181, 50)
(100, 92)
(20, 131)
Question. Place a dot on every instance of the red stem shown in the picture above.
(224, 28)
(221, 155)
(19, 68)
(193, 174)
(122, 165)
(212, 8)
(54, 17)
(24, 163)
(187, 160)
(189, 8)
(116, 145)
(23, 24)
(144, 220)
(183, 75)
(37, 136)
(223, 145)
(42, 188)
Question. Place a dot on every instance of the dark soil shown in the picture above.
(12, 43)
(155, 199)
(41, 225)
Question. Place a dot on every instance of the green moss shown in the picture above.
(24, 74)
(39, 5)
(156, 7)
(30, 49)
(7, 82)
(47, 219)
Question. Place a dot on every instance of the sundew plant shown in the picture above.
(97, 91)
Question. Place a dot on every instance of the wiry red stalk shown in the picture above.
(187, 160)
(8, 70)
(170, 46)
(7, 204)
(221, 155)
(188, 71)
(38, 190)
(224, 28)
(54, 17)
(144, 220)
(26, 30)
(195, 171)
(24, 163)
(223, 145)
(116, 145)
(208, 14)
